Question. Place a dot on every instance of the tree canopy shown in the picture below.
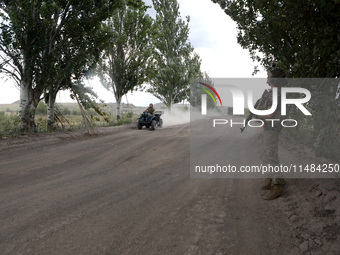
(124, 63)
(175, 63)
(303, 36)
(46, 43)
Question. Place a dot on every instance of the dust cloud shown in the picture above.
(176, 115)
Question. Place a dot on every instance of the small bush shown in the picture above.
(41, 109)
(66, 111)
(129, 115)
(9, 126)
(76, 112)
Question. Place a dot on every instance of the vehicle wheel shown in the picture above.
(139, 125)
(153, 124)
(160, 123)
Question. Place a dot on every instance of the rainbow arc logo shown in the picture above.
(208, 92)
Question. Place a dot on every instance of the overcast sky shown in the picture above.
(213, 35)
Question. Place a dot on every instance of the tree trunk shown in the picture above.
(50, 111)
(27, 107)
(33, 108)
(325, 124)
(23, 107)
(118, 107)
(29, 99)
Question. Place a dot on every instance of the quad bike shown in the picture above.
(150, 121)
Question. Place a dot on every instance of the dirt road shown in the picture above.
(129, 191)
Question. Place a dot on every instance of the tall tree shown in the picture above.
(124, 62)
(303, 37)
(44, 43)
(62, 62)
(175, 63)
(20, 43)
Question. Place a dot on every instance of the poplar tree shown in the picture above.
(124, 64)
(175, 64)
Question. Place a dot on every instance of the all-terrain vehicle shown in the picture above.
(150, 121)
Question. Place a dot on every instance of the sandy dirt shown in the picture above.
(129, 191)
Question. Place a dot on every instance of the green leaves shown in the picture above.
(48, 43)
(303, 38)
(299, 34)
(175, 63)
(125, 59)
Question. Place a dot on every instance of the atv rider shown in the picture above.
(150, 109)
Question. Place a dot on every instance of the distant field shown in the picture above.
(9, 107)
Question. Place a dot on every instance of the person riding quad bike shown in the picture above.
(150, 109)
(150, 119)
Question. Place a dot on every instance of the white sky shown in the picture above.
(213, 35)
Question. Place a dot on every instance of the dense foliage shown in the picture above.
(45, 45)
(175, 63)
(124, 63)
(303, 38)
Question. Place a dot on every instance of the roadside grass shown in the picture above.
(9, 125)
(71, 119)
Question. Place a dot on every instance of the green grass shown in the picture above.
(10, 124)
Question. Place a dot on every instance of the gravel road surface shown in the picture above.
(129, 191)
